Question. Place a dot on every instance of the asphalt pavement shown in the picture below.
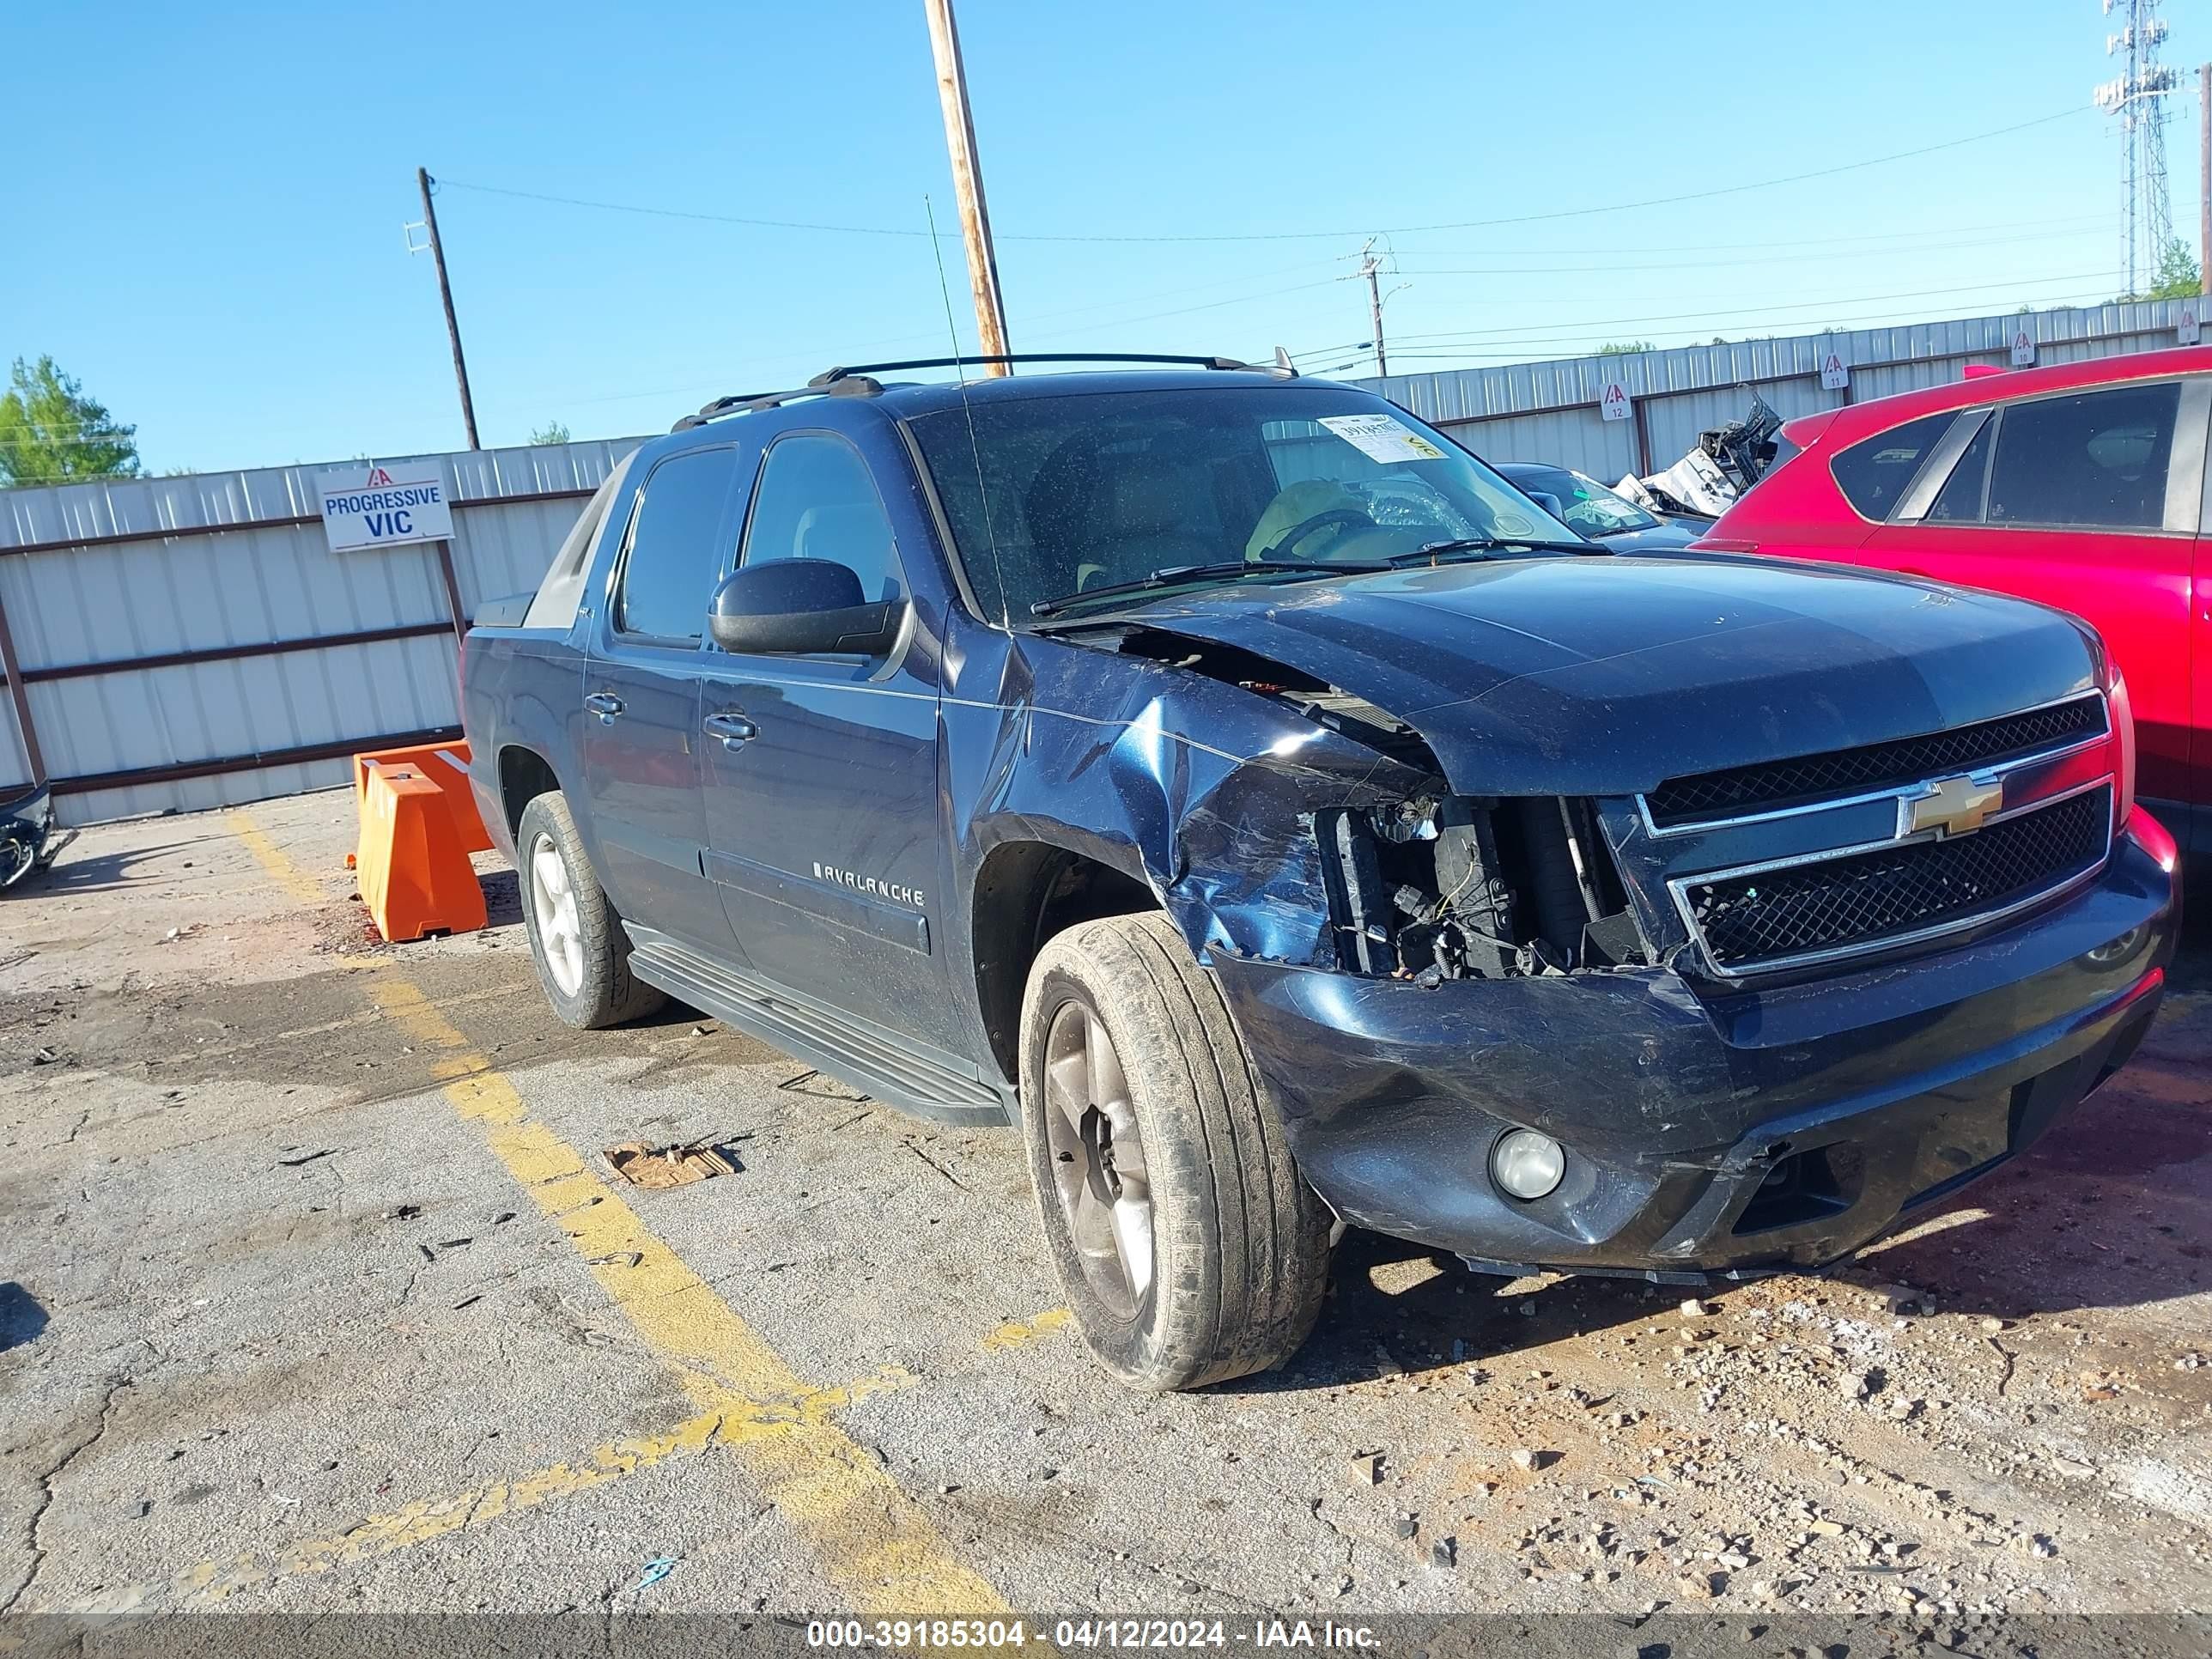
(318, 1295)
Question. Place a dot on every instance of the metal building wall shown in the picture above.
(1549, 410)
(222, 566)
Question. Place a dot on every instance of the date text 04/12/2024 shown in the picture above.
(896, 1634)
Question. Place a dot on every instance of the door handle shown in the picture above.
(732, 728)
(605, 705)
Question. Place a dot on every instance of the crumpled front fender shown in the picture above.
(1220, 830)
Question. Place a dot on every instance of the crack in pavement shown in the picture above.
(31, 1528)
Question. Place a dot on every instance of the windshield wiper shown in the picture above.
(1168, 576)
(1462, 545)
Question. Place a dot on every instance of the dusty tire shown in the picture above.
(1239, 1253)
(582, 955)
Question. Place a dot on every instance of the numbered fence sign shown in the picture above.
(372, 506)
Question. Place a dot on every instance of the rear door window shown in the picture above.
(2095, 458)
(675, 549)
(1960, 500)
(1874, 471)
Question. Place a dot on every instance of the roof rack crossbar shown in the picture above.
(831, 376)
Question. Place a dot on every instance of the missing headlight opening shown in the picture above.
(1444, 888)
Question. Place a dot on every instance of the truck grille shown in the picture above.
(1765, 919)
(1769, 786)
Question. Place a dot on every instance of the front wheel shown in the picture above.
(575, 938)
(1190, 1248)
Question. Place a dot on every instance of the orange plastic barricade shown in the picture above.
(412, 862)
(446, 765)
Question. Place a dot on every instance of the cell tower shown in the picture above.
(2138, 97)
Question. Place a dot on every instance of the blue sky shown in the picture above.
(206, 203)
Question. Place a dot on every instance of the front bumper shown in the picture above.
(27, 838)
(1713, 1131)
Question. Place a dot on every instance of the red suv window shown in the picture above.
(2095, 458)
(1874, 471)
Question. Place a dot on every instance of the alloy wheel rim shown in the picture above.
(1099, 1167)
(553, 902)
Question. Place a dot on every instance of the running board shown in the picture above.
(882, 1064)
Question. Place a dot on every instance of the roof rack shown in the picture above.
(1281, 366)
(858, 379)
(741, 403)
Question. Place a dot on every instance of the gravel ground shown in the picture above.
(296, 1316)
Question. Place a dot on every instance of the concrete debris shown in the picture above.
(656, 1167)
(1367, 1468)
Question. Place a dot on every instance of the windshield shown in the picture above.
(1584, 502)
(1060, 495)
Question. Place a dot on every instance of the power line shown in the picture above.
(1286, 235)
(1808, 304)
(1517, 350)
(2082, 219)
(1604, 267)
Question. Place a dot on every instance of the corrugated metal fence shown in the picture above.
(193, 641)
(1549, 411)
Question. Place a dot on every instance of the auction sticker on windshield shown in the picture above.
(1380, 438)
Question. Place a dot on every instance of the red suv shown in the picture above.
(2083, 485)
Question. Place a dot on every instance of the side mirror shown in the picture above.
(799, 607)
(1549, 503)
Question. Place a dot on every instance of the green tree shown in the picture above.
(553, 432)
(1623, 348)
(2178, 275)
(51, 433)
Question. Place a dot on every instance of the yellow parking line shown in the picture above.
(1020, 1332)
(270, 857)
(430, 1518)
(872, 1540)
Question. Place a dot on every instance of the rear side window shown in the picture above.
(2097, 459)
(816, 500)
(668, 573)
(1873, 472)
(1960, 500)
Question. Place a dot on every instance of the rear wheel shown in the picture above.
(575, 938)
(1189, 1247)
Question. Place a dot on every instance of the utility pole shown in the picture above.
(446, 298)
(1371, 269)
(2204, 178)
(967, 183)
(1368, 268)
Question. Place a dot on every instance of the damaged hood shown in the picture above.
(1603, 676)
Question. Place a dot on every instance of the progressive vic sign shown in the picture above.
(373, 506)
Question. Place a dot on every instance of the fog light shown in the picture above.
(1527, 1164)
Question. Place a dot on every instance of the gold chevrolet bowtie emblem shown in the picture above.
(1954, 805)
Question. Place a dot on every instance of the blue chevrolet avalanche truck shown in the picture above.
(1234, 784)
